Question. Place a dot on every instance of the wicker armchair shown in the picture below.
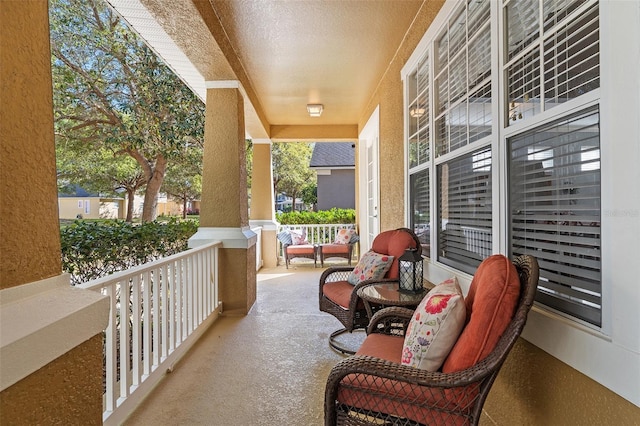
(340, 299)
(365, 390)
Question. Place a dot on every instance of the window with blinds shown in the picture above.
(464, 210)
(552, 54)
(420, 213)
(462, 83)
(418, 95)
(554, 181)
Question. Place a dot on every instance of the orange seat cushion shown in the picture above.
(367, 392)
(491, 303)
(382, 346)
(335, 249)
(301, 249)
(339, 292)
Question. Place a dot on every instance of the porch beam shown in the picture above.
(295, 133)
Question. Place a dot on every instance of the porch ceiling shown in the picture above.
(285, 53)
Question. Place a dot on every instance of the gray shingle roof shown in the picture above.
(333, 154)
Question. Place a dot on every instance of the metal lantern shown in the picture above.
(410, 271)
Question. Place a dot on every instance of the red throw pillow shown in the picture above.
(491, 303)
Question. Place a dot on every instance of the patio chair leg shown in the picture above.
(335, 345)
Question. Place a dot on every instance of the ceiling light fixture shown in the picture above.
(315, 110)
(417, 112)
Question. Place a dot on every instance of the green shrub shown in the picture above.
(92, 250)
(334, 215)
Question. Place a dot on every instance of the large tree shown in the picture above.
(291, 170)
(183, 180)
(99, 171)
(112, 92)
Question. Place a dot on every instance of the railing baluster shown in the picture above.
(171, 291)
(164, 304)
(136, 329)
(154, 309)
(146, 323)
(155, 312)
(123, 313)
(199, 282)
(110, 353)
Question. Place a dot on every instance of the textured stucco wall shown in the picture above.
(262, 199)
(66, 391)
(533, 388)
(29, 240)
(237, 279)
(389, 97)
(224, 178)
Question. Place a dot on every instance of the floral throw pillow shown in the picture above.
(372, 266)
(344, 236)
(298, 237)
(435, 327)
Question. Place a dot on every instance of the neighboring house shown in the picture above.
(284, 203)
(335, 165)
(82, 204)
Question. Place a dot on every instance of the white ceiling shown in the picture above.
(286, 53)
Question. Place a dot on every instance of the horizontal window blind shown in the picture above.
(572, 59)
(552, 54)
(418, 114)
(420, 216)
(554, 181)
(464, 210)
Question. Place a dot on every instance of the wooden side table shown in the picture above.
(387, 294)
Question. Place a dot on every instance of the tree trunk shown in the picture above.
(130, 196)
(152, 189)
(184, 206)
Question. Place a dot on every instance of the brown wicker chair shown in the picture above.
(364, 390)
(340, 299)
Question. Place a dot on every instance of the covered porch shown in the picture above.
(561, 372)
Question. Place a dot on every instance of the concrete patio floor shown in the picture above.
(266, 368)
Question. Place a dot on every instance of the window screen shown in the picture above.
(554, 181)
(464, 210)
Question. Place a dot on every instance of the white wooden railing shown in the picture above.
(316, 233)
(167, 305)
(320, 233)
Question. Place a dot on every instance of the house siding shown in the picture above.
(337, 190)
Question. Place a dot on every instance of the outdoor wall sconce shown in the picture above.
(315, 110)
(410, 271)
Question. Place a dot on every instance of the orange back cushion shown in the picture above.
(491, 303)
(393, 243)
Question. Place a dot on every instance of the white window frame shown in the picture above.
(610, 354)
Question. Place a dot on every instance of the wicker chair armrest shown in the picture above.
(335, 273)
(362, 364)
(393, 321)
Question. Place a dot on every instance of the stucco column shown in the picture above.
(263, 201)
(224, 208)
(50, 334)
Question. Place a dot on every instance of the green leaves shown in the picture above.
(112, 92)
(92, 250)
(334, 215)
